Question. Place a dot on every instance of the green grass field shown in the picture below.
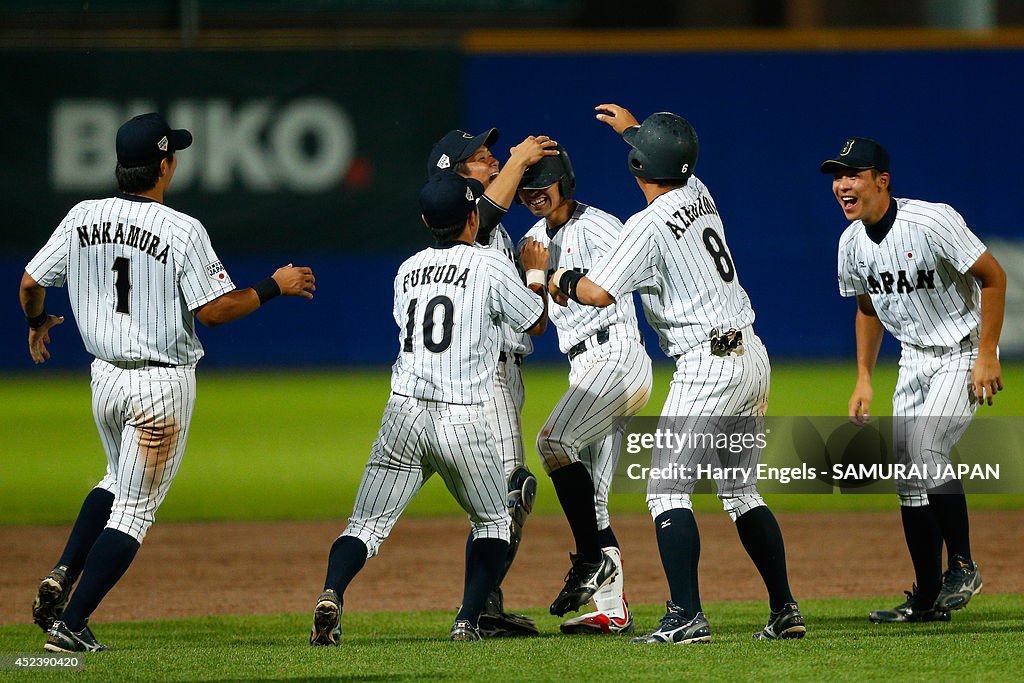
(292, 445)
(981, 644)
(268, 446)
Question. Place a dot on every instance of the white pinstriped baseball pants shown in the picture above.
(934, 384)
(418, 438)
(606, 382)
(505, 414)
(714, 386)
(143, 416)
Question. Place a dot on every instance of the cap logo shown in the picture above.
(467, 136)
(162, 144)
(444, 161)
(469, 194)
(847, 148)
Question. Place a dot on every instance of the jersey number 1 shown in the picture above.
(447, 322)
(123, 284)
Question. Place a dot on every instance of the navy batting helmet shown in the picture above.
(664, 148)
(550, 170)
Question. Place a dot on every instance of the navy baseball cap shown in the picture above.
(148, 138)
(860, 154)
(456, 146)
(448, 198)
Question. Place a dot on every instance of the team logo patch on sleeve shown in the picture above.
(217, 272)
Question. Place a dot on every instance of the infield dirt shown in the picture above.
(261, 568)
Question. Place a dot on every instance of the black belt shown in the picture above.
(503, 357)
(602, 338)
(136, 364)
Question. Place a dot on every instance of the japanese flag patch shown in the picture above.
(217, 273)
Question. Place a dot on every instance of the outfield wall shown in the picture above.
(317, 156)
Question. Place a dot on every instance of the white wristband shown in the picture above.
(535, 276)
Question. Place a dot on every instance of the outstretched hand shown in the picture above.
(618, 117)
(39, 337)
(296, 281)
(533, 149)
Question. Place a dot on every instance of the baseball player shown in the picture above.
(449, 301)
(139, 274)
(674, 254)
(919, 272)
(609, 378)
(470, 156)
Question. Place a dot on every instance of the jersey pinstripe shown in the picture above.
(135, 271)
(511, 340)
(674, 254)
(449, 301)
(917, 277)
(578, 245)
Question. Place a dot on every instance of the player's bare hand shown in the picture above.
(859, 408)
(615, 116)
(986, 378)
(532, 149)
(296, 281)
(534, 255)
(39, 337)
(557, 295)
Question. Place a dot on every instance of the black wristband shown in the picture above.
(266, 289)
(568, 282)
(37, 321)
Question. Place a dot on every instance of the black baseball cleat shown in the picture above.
(495, 622)
(678, 628)
(583, 580)
(62, 639)
(960, 583)
(51, 598)
(463, 630)
(908, 613)
(326, 621)
(784, 624)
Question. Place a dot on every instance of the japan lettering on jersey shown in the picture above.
(674, 253)
(917, 277)
(135, 271)
(511, 341)
(579, 244)
(449, 302)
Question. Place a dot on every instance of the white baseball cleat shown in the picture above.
(596, 623)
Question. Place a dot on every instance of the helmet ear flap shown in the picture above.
(637, 165)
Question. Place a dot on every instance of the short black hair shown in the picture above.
(137, 179)
(450, 232)
(462, 167)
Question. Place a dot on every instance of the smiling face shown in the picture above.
(862, 194)
(480, 165)
(544, 201)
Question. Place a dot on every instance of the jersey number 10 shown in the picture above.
(447, 322)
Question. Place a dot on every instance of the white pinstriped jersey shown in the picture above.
(674, 253)
(449, 301)
(578, 245)
(135, 270)
(511, 341)
(917, 277)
